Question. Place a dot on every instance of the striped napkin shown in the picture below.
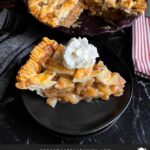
(141, 46)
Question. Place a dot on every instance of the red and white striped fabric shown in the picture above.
(141, 46)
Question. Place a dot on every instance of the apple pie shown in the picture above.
(45, 73)
(65, 13)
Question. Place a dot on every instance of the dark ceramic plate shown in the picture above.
(64, 136)
(83, 118)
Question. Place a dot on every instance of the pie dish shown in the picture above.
(66, 12)
(45, 73)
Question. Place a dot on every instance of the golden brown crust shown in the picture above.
(139, 7)
(55, 63)
(124, 5)
(83, 75)
(73, 16)
(44, 73)
(37, 58)
(55, 13)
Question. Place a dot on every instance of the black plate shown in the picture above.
(71, 137)
(83, 118)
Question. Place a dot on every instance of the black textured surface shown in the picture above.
(16, 125)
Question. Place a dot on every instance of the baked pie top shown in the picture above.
(55, 12)
(65, 12)
(45, 73)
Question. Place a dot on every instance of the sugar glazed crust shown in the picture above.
(45, 74)
(65, 13)
(56, 12)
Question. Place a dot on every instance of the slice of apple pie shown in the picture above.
(46, 73)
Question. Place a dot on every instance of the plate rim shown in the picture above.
(83, 136)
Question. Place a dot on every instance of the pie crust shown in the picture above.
(44, 73)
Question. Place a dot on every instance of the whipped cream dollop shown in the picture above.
(79, 54)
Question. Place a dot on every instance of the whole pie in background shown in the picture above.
(65, 13)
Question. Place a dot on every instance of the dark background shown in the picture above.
(17, 127)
